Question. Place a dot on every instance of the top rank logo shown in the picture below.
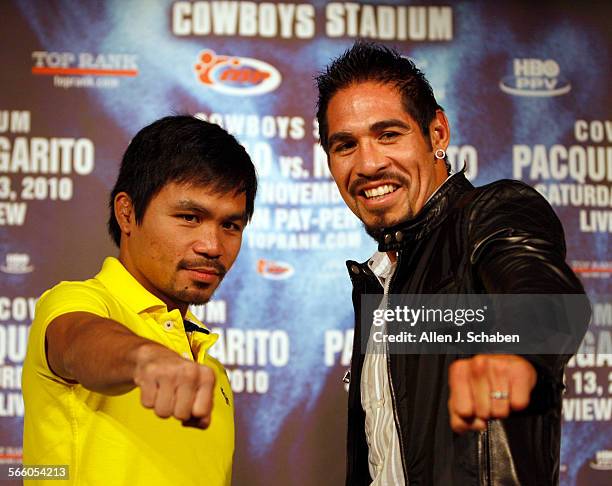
(84, 70)
(241, 76)
(535, 77)
(50, 63)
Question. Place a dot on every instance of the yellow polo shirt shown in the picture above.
(114, 440)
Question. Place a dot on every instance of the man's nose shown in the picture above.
(209, 243)
(370, 160)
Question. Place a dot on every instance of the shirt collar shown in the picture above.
(381, 266)
(122, 285)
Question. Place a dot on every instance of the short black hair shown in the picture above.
(181, 149)
(367, 61)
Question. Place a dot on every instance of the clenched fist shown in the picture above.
(487, 386)
(173, 386)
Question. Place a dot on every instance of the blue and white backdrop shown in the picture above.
(526, 86)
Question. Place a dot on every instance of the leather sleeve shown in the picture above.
(518, 247)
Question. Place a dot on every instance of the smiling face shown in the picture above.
(382, 163)
(188, 239)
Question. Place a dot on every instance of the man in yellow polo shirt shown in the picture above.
(117, 382)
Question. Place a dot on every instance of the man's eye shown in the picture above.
(232, 226)
(342, 147)
(385, 136)
(190, 218)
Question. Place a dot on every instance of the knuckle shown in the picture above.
(182, 414)
(153, 372)
(482, 411)
(162, 412)
(525, 370)
(146, 371)
(520, 403)
(147, 395)
(463, 410)
(457, 369)
(478, 364)
(189, 372)
(456, 406)
(499, 411)
(206, 375)
(457, 424)
(500, 366)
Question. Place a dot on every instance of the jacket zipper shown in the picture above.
(487, 455)
(397, 425)
(393, 400)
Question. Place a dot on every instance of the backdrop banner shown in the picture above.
(525, 85)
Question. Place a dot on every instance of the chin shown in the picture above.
(385, 220)
(374, 232)
(199, 299)
(375, 227)
(194, 297)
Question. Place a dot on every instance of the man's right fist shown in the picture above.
(173, 386)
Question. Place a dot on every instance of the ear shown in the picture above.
(124, 212)
(439, 131)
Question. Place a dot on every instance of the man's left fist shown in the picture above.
(487, 386)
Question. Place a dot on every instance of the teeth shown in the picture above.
(379, 191)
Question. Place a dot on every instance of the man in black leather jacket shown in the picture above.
(484, 419)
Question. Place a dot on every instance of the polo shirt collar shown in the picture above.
(122, 285)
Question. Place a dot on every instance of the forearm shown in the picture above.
(519, 248)
(100, 354)
(106, 357)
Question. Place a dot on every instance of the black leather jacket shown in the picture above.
(499, 238)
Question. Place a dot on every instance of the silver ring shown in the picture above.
(499, 395)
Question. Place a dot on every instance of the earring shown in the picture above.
(440, 153)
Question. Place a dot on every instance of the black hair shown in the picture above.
(181, 149)
(367, 61)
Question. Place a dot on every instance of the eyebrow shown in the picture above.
(191, 205)
(375, 127)
(393, 122)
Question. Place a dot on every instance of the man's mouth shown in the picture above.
(210, 271)
(204, 275)
(203, 265)
(204, 270)
(379, 191)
